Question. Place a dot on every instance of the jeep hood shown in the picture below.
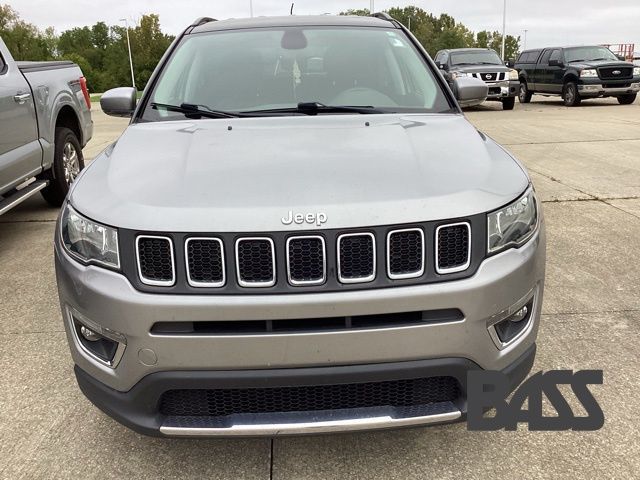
(244, 175)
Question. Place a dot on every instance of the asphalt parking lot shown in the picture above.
(585, 163)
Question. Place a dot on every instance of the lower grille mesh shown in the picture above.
(396, 393)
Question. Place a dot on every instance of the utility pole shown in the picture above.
(504, 27)
(372, 8)
(525, 39)
(251, 8)
(133, 78)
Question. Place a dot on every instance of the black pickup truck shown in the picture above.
(576, 73)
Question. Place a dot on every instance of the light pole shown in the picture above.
(133, 78)
(372, 8)
(525, 39)
(251, 8)
(504, 27)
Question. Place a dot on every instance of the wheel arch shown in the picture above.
(68, 118)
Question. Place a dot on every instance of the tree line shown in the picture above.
(101, 50)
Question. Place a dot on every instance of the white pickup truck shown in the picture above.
(45, 121)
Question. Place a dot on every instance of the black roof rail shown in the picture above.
(202, 21)
(386, 16)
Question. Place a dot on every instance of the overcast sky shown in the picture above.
(549, 22)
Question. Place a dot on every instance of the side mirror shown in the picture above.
(555, 63)
(510, 63)
(470, 91)
(119, 102)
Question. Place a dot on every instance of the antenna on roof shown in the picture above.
(291, 12)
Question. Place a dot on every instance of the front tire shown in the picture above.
(627, 99)
(508, 103)
(570, 95)
(68, 162)
(524, 95)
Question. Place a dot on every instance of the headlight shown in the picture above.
(514, 224)
(455, 75)
(89, 241)
(513, 74)
(589, 73)
(636, 71)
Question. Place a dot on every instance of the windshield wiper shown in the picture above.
(574, 61)
(192, 110)
(314, 108)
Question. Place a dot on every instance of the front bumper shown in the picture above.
(504, 89)
(109, 300)
(138, 410)
(629, 87)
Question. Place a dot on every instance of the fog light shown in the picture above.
(509, 328)
(101, 344)
(89, 334)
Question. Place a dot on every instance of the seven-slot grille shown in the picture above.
(453, 252)
(205, 262)
(405, 253)
(332, 259)
(306, 260)
(256, 262)
(356, 257)
(156, 265)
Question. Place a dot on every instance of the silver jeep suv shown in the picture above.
(299, 232)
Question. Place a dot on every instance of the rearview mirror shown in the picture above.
(470, 91)
(555, 63)
(119, 102)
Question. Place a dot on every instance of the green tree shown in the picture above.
(493, 40)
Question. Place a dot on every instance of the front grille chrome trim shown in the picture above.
(404, 276)
(300, 283)
(461, 268)
(195, 283)
(367, 279)
(244, 283)
(149, 281)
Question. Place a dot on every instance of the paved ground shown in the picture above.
(586, 166)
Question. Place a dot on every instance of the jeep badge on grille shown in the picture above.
(318, 219)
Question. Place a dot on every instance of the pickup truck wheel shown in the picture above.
(627, 99)
(524, 95)
(508, 103)
(570, 95)
(67, 164)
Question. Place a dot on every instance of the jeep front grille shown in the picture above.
(452, 247)
(405, 253)
(205, 262)
(255, 262)
(306, 260)
(156, 265)
(356, 257)
(329, 260)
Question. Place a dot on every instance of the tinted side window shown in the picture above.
(2, 64)
(556, 55)
(545, 57)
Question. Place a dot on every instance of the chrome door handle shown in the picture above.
(22, 97)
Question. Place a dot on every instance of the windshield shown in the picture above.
(481, 57)
(587, 54)
(268, 69)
